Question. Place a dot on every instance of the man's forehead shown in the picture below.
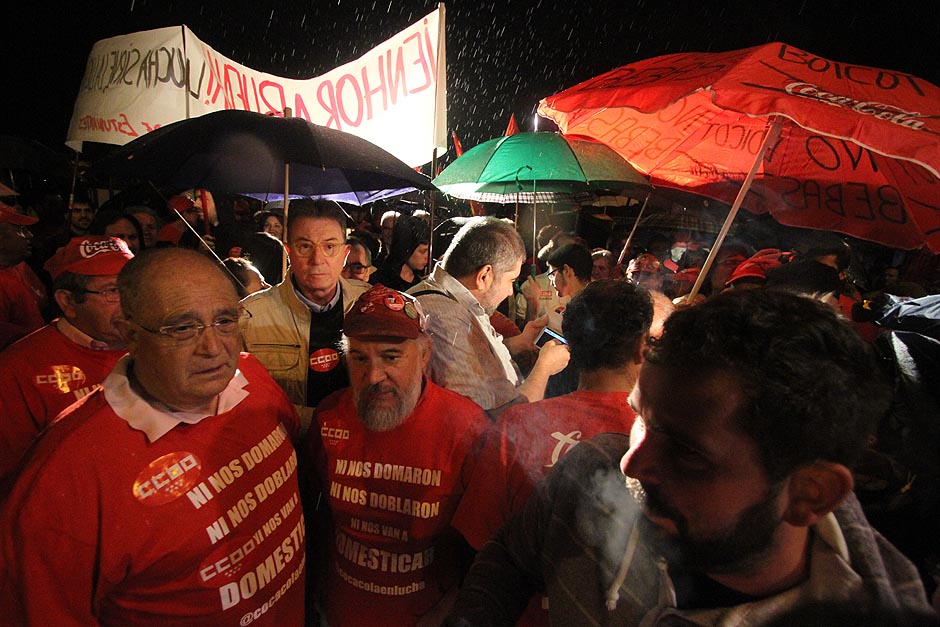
(356, 251)
(199, 291)
(379, 343)
(102, 279)
(685, 396)
(321, 227)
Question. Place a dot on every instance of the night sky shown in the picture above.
(502, 57)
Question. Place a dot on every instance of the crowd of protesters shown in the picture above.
(216, 412)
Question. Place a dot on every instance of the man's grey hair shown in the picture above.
(314, 208)
(482, 241)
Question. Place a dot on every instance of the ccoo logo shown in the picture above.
(324, 360)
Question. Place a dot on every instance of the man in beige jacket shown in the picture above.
(295, 326)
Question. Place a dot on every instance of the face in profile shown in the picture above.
(699, 478)
(357, 266)
(99, 312)
(500, 287)
(418, 260)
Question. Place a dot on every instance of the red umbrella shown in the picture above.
(816, 143)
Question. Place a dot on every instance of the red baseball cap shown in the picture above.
(92, 255)
(688, 275)
(384, 312)
(758, 264)
(180, 203)
(9, 215)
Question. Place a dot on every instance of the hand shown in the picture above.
(532, 330)
(553, 357)
(530, 289)
(209, 242)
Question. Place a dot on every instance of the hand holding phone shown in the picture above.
(546, 335)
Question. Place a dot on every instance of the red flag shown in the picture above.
(458, 148)
(476, 208)
(513, 128)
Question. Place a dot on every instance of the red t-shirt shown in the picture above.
(516, 452)
(391, 497)
(22, 296)
(40, 375)
(203, 526)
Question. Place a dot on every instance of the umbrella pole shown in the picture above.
(430, 265)
(284, 264)
(773, 134)
(535, 213)
(626, 244)
(78, 156)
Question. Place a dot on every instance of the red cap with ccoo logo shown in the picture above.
(384, 312)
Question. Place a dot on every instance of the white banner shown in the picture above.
(394, 95)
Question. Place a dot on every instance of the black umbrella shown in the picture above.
(243, 152)
(27, 155)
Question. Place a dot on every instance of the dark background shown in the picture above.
(502, 57)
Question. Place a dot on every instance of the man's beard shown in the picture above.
(377, 416)
(734, 550)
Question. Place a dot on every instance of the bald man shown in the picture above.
(168, 496)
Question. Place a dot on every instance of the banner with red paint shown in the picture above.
(394, 95)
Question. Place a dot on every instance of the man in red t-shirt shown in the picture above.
(48, 370)
(168, 496)
(606, 325)
(389, 454)
(22, 294)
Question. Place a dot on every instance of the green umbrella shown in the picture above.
(537, 167)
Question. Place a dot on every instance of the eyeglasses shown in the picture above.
(224, 325)
(356, 267)
(110, 294)
(305, 248)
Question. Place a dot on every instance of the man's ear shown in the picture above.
(425, 347)
(483, 277)
(128, 331)
(640, 350)
(66, 302)
(815, 490)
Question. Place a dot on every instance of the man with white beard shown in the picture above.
(388, 454)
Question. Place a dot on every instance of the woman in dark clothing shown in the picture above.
(408, 255)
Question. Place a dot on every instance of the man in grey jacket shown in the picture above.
(730, 503)
(295, 326)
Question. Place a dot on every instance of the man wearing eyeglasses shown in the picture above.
(296, 326)
(358, 261)
(48, 370)
(170, 495)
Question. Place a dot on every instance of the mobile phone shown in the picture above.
(547, 334)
